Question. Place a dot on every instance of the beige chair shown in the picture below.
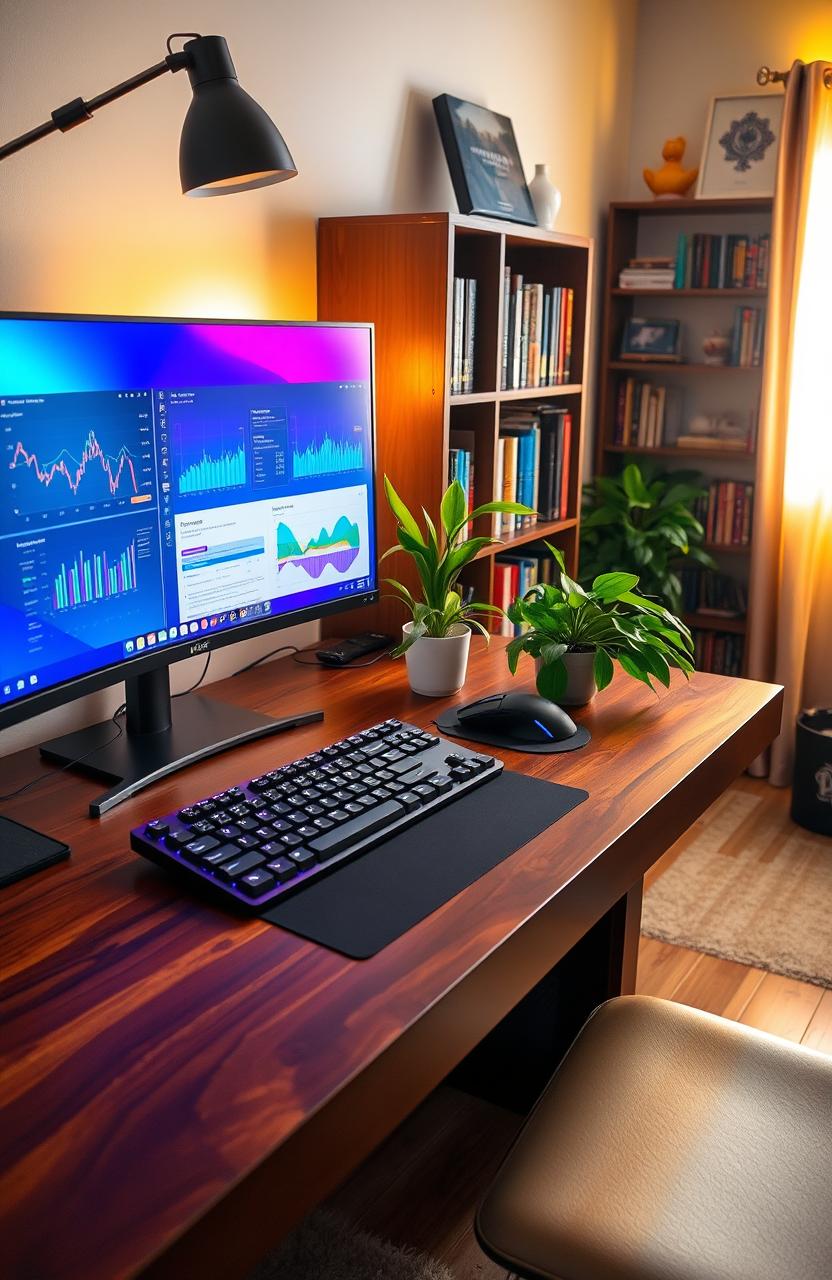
(670, 1145)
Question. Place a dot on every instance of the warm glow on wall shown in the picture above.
(212, 297)
(808, 475)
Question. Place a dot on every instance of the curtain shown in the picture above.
(790, 636)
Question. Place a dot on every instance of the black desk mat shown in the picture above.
(370, 902)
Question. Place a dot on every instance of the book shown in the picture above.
(469, 331)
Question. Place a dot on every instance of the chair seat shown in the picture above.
(670, 1145)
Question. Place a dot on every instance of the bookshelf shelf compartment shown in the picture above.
(670, 451)
(679, 366)
(397, 270)
(688, 293)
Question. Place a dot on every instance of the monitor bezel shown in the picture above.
(35, 703)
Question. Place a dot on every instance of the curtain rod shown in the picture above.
(765, 75)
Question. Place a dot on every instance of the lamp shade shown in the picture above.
(228, 142)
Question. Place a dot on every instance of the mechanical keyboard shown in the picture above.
(266, 838)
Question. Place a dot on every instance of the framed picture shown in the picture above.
(484, 163)
(742, 139)
(650, 339)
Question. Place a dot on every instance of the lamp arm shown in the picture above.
(76, 112)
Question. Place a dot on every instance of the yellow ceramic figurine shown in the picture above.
(671, 179)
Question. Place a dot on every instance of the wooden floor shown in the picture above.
(421, 1187)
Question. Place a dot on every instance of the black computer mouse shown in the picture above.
(521, 718)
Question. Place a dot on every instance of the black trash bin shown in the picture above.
(812, 785)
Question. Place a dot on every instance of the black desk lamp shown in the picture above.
(228, 142)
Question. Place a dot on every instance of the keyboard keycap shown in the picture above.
(282, 869)
(216, 856)
(203, 845)
(247, 841)
(237, 867)
(303, 858)
(373, 820)
(157, 829)
(178, 839)
(256, 883)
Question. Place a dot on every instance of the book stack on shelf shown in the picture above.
(647, 416)
(725, 513)
(461, 463)
(747, 338)
(463, 330)
(533, 465)
(716, 595)
(514, 575)
(719, 652)
(721, 262)
(537, 338)
(648, 273)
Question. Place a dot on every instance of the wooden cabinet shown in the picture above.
(398, 271)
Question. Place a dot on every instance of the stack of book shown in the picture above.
(537, 333)
(712, 593)
(514, 575)
(722, 262)
(533, 462)
(725, 512)
(646, 416)
(463, 331)
(648, 273)
(461, 464)
(747, 337)
(718, 652)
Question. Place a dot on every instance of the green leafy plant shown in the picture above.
(641, 522)
(440, 558)
(610, 619)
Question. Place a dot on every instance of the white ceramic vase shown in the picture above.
(437, 667)
(545, 197)
(580, 679)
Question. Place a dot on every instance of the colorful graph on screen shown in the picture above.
(119, 471)
(94, 576)
(338, 548)
(327, 458)
(224, 471)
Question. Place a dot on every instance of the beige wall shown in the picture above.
(688, 50)
(94, 221)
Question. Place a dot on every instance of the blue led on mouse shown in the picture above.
(517, 719)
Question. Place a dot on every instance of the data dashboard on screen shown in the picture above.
(163, 480)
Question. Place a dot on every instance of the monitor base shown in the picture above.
(197, 728)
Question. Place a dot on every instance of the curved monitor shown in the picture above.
(170, 486)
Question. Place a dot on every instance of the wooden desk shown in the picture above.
(179, 1086)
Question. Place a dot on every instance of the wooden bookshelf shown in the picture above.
(644, 227)
(397, 271)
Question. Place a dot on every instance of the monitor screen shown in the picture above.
(163, 483)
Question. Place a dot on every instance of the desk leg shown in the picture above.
(515, 1061)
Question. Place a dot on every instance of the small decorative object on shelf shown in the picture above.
(484, 163)
(437, 638)
(742, 138)
(672, 179)
(707, 431)
(715, 348)
(545, 197)
(576, 635)
(650, 339)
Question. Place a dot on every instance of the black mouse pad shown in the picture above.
(449, 723)
(368, 903)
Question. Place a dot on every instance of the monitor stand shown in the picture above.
(162, 734)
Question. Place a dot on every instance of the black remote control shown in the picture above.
(346, 651)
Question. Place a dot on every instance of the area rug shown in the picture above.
(749, 885)
(325, 1246)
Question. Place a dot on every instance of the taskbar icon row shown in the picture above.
(182, 631)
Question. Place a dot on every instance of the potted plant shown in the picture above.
(641, 522)
(436, 639)
(576, 635)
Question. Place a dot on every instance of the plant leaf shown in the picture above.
(609, 586)
(401, 512)
(453, 509)
(603, 668)
(551, 680)
(634, 669)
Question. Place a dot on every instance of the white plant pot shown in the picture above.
(437, 667)
(580, 678)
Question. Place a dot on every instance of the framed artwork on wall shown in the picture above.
(650, 339)
(742, 139)
(484, 163)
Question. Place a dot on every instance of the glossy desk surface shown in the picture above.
(177, 1086)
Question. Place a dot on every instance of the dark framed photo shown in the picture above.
(484, 163)
(651, 339)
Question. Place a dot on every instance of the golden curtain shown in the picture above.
(790, 638)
